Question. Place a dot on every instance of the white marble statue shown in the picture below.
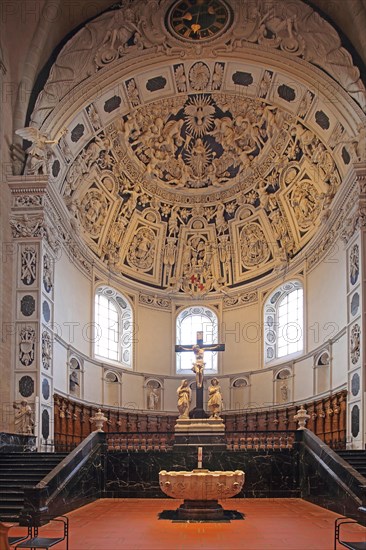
(23, 418)
(184, 399)
(214, 399)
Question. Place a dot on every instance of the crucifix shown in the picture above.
(198, 367)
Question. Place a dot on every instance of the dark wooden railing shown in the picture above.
(327, 421)
(158, 441)
(145, 441)
(247, 441)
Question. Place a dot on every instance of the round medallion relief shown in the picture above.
(45, 389)
(26, 386)
(46, 311)
(355, 304)
(355, 384)
(27, 305)
(45, 424)
(355, 421)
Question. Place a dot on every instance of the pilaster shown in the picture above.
(354, 237)
(35, 252)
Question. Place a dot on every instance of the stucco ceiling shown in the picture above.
(200, 164)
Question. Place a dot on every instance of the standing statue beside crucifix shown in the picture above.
(198, 368)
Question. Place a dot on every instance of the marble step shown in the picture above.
(9, 518)
(7, 501)
(26, 460)
(38, 468)
(19, 470)
(15, 482)
(24, 473)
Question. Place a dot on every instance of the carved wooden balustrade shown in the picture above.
(327, 421)
(146, 441)
(259, 441)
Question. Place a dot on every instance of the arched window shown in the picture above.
(113, 326)
(284, 321)
(189, 322)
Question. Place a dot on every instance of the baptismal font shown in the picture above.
(201, 489)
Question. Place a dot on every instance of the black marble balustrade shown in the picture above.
(17, 443)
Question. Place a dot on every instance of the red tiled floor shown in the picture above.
(269, 524)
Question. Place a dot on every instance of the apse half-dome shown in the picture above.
(198, 161)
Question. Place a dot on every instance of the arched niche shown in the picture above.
(153, 394)
(322, 371)
(240, 393)
(283, 386)
(75, 376)
(112, 388)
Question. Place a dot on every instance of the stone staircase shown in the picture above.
(19, 470)
(357, 459)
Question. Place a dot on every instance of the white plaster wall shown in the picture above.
(240, 330)
(339, 362)
(170, 393)
(60, 379)
(241, 334)
(133, 391)
(262, 389)
(326, 298)
(303, 379)
(93, 382)
(153, 341)
(73, 305)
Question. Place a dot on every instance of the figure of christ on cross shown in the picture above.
(198, 367)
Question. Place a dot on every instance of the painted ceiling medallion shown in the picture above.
(199, 20)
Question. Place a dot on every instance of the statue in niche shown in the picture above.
(153, 397)
(23, 418)
(214, 399)
(74, 383)
(184, 393)
(284, 392)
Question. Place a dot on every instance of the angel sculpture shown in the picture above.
(39, 152)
